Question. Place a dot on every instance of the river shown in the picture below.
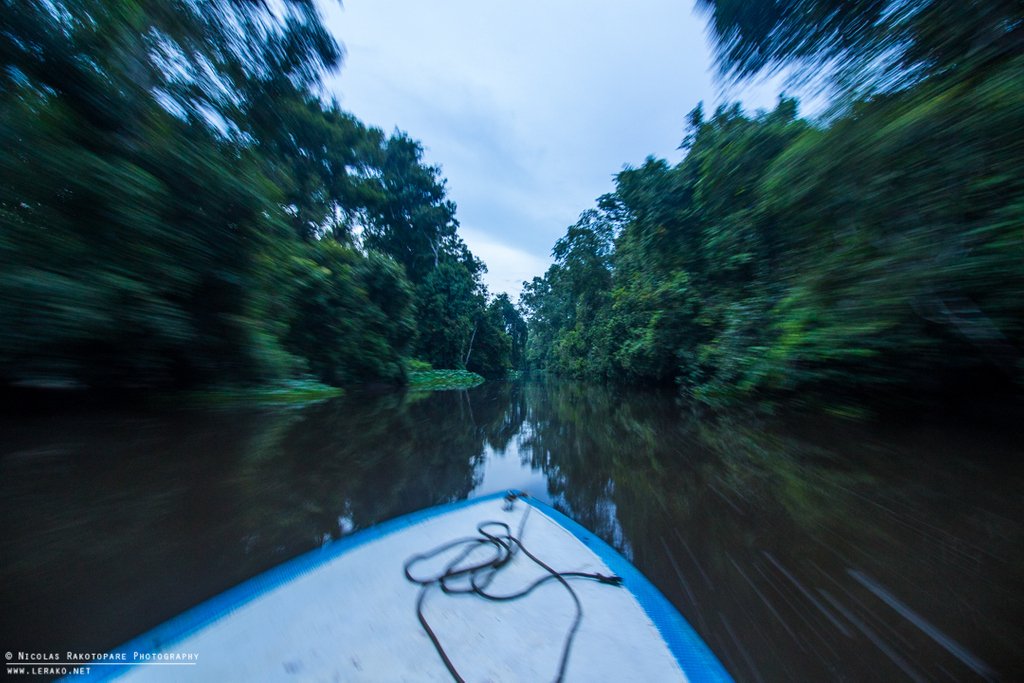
(806, 549)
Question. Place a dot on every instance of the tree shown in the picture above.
(865, 44)
(512, 322)
(871, 260)
(412, 220)
(179, 206)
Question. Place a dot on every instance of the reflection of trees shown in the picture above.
(500, 411)
(750, 526)
(351, 463)
(116, 523)
(111, 524)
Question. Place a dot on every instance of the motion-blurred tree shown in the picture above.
(178, 205)
(879, 257)
(866, 45)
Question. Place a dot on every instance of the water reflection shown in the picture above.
(111, 524)
(801, 551)
(810, 551)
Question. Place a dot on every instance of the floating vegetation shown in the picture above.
(441, 380)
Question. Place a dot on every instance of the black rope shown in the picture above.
(480, 575)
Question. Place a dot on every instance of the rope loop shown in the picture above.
(461, 577)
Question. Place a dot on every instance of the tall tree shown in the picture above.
(512, 322)
(865, 44)
(412, 221)
(179, 206)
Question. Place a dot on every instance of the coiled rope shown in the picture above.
(480, 575)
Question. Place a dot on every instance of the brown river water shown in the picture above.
(808, 549)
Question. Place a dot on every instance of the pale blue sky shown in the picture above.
(529, 107)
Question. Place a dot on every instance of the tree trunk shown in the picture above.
(470, 350)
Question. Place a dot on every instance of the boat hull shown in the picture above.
(346, 612)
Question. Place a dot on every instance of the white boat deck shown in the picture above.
(353, 618)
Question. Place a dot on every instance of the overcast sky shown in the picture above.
(530, 107)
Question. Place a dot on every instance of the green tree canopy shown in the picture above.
(179, 206)
(865, 44)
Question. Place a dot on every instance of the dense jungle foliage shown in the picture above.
(181, 206)
(875, 255)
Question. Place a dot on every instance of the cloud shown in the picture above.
(507, 266)
(529, 107)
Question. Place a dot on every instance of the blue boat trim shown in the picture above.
(695, 658)
(185, 624)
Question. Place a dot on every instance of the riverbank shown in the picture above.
(51, 398)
